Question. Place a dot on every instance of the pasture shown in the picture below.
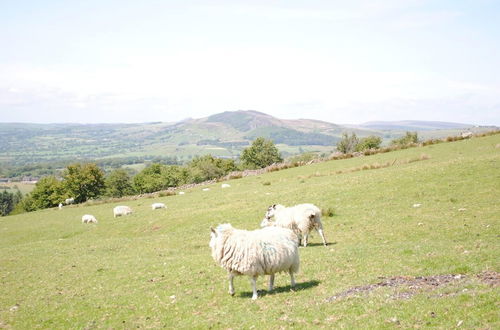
(439, 260)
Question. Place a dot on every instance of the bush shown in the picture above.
(118, 184)
(83, 182)
(260, 154)
(409, 138)
(370, 142)
(348, 143)
(209, 168)
(48, 192)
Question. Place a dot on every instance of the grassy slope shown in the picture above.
(125, 272)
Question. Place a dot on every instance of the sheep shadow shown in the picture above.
(318, 244)
(281, 289)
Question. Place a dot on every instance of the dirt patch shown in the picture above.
(414, 285)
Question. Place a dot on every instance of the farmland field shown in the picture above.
(424, 221)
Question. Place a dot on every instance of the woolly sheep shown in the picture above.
(206, 189)
(69, 201)
(259, 252)
(301, 218)
(121, 210)
(155, 206)
(466, 135)
(88, 218)
(225, 185)
(60, 206)
(181, 192)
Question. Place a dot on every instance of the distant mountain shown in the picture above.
(413, 125)
(224, 134)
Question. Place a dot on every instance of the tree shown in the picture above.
(370, 142)
(260, 154)
(118, 184)
(83, 182)
(208, 168)
(158, 177)
(348, 143)
(48, 192)
(6, 203)
(407, 139)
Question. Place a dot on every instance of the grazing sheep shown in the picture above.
(259, 252)
(60, 206)
(300, 218)
(121, 210)
(69, 201)
(181, 192)
(88, 218)
(155, 206)
(206, 189)
(467, 135)
(225, 185)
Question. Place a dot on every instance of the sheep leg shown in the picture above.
(292, 279)
(320, 231)
(253, 280)
(231, 286)
(304, 240)
(271, 282)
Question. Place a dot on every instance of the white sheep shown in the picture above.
(206, 189)
(181, 192)
(60, 206)
(69, 201)
(466, 135)
(155, 206)
(121, 210)
(301, 218)
(259, 252)
(225, 185)
(88, 218)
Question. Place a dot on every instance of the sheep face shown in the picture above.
(271, 211)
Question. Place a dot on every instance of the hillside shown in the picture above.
(413, 125)
(413, 243)
(224, 134)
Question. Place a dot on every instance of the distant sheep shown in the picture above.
(206, 189)
(259, 252)
(181, 192)
(300, 218)
(466, 135)
(60, 206)
(69, 201)
(155, 206)
(121, 210)
(88, 218)
(225, 185)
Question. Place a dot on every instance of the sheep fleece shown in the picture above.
(260, 252)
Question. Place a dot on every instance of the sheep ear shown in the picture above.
(213, 230)
(274, 206)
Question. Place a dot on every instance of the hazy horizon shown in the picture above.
(340, 62)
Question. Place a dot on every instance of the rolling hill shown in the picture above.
(224, 134)
(413, 243)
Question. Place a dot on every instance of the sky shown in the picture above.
(345, 62)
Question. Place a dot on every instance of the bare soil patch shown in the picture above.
(414, 285)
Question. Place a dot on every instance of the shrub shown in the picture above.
(260, 154)
(370, 142)
(118, 184)
(83, 182)
(348, 143)
(409, 138)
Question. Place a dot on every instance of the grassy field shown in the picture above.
(14, 186)
(153, 269)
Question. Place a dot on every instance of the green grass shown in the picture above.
(14, 186)
(153, 268)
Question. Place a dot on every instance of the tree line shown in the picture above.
(85, 181)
